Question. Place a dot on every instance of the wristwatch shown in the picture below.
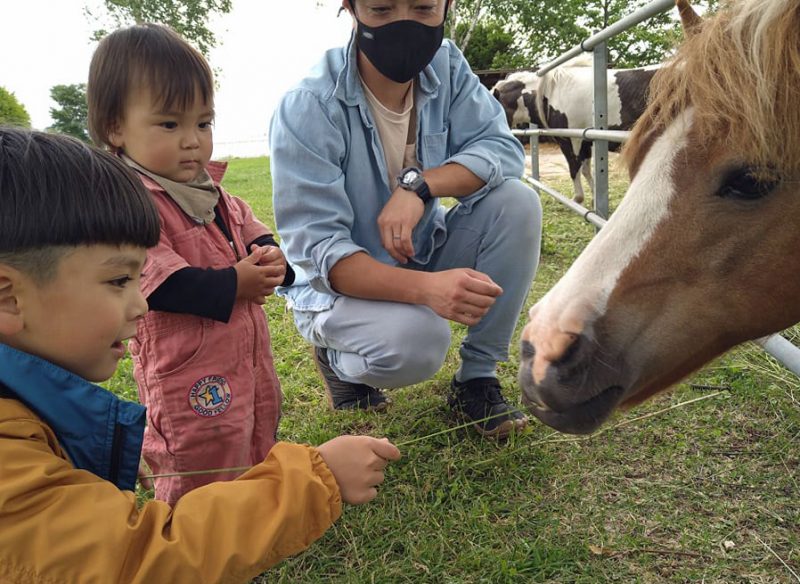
(411, 179)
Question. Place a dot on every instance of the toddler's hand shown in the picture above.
(255, 281)
(144, 470)
(272, 256)
(357, 462)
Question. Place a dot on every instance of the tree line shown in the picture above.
(493, 34)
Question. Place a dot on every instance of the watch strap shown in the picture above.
(424, 192)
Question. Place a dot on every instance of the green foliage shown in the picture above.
(12, 112)
(189, 18)
(489, 46)
(543, 29)
(70, 117)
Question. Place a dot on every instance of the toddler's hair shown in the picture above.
(148, 56)
(57, 193)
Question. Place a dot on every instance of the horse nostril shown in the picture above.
(527, 350)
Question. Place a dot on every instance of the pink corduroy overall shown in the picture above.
(212, 394)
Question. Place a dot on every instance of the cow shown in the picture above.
(562, 98)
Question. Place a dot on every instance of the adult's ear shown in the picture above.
(11, 320)
(690, 20)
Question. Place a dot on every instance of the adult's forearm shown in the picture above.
(452, 180)
(362, 276)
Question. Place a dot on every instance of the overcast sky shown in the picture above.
(265, 47)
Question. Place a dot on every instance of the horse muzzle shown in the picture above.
(575, 395)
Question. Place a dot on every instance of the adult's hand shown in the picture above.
(397, 221)
(462, 295)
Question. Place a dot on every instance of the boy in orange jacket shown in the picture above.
(74, 228)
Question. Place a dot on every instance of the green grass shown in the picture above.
(652, 501)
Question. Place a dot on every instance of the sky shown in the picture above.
(264, 47)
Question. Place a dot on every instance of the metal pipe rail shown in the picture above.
(589, 215)
(645, 12)
(585, 134)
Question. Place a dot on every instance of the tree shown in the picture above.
(188, 18)
(543, 29)
(490, 46)
(12, 112)
(71, 115)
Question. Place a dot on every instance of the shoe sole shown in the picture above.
(504, 430)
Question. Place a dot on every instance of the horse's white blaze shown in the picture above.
(582, 294)
(521, 114)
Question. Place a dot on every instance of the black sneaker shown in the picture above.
(343, 395)
(480, 398)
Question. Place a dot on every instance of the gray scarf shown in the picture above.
(196, 198)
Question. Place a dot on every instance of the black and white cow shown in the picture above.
(562, 98)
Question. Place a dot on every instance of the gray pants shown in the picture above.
(390, 344)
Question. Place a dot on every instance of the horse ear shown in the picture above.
(689, 18)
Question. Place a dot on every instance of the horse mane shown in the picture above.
(740, 72)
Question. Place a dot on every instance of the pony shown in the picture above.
(562, 98)
(702, 253)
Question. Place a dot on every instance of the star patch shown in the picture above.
(210, 396)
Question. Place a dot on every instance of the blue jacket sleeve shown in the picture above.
(313, 213)
(479, 133)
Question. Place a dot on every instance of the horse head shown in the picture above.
(702, 253)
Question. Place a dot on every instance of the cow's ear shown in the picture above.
(690, 20)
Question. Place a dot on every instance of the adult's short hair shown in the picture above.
(57, 193)
(147, 55)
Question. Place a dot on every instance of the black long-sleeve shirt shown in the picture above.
(206, 292)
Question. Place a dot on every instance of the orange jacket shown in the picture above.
(62, 524)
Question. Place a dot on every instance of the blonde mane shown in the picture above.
(740, 72)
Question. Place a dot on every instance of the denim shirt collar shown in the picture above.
(100, 432)
(348, 85)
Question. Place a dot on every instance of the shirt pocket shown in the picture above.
(176, 342)
(201, 247)
(434, 149)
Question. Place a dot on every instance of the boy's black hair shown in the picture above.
(57, 192)
(147, 55)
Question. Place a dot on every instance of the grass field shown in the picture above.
(704, 492)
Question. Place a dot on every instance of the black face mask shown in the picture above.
(400, 49)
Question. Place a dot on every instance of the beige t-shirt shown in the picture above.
(394, 133)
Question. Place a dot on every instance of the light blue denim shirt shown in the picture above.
(329, 175)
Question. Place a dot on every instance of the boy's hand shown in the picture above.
(357, 463)
(255, 281)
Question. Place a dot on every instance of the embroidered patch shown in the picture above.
(210, 396)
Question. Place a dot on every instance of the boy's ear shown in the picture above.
(11, 321)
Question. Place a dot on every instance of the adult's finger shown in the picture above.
(388, 242)
(485, 287)
(406, 247)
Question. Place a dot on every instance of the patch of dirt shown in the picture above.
(552, 163)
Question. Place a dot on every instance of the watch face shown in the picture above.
(410, 177)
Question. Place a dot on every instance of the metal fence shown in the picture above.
(777, 346)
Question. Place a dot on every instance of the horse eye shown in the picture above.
(747, 184)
